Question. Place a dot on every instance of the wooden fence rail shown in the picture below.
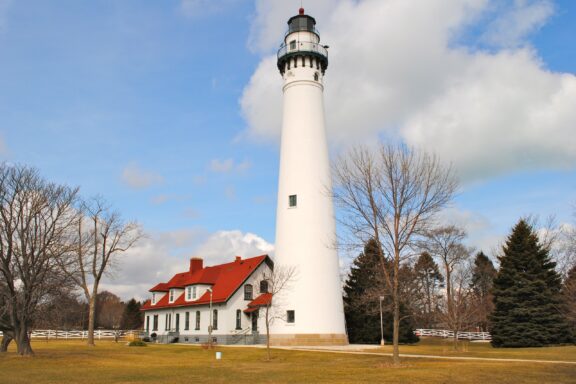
(98, 334)
(449, 334)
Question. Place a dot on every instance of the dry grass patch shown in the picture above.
(73, 362)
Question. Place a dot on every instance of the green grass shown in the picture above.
(73, 362)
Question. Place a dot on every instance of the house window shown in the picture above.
(248, 292)
(167, 322)
(155, 323)
(238, 319)
(292, 201)
(171, 295)
(177, 322)
(188, 293)
(290, 316)
(194, 292)
(215, 319)
(147, 324)
(264, 286)
(293, 45)
(197, 320)
(187, 321)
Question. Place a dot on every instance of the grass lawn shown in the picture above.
(73, 362)
(444, 347)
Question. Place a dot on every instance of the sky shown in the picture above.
(171, 110)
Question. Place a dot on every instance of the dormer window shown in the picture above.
(153, 298)
(248, 292)
(171, 295)
(188, 293)
(194, 292)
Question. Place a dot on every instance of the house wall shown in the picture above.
(226, 333)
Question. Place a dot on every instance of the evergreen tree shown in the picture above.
(569, 298)
(527, 295)
(483, 274)
(132, 317)
(429, 280)
(362, 293)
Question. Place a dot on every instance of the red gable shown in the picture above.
(225, 279)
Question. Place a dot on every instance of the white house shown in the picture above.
(226, 296)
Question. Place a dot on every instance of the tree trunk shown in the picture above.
(22, 340)
(268, 335)
(6, 339)
(91, 320)
(396, 299)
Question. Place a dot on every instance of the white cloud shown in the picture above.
(395, 71)
(138, 178)
(154, 259)
(223, 246)
(157, 258)
(518, 21)
(229, 165)
(164, 198)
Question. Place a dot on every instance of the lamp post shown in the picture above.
(210, 324)
(381, 322)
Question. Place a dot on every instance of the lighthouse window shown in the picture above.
(292, 201)
(316, 76)
(293, 44)
(290, 316)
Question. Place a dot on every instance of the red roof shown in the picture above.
(262, 300)
(225, 279)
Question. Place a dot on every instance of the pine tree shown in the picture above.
(569, 298)
(362, 293)
(429, 280)
(527, 295)
(132, 317)
(483, 274)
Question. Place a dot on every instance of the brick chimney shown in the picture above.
(196, 264)
(238, 258)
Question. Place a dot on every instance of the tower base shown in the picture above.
(308, 339)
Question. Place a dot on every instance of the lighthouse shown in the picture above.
(312, 308)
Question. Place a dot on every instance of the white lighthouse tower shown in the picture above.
(305, 225)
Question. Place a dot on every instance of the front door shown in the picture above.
(255, 322)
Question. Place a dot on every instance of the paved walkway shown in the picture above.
(361, 349)
(357, 349)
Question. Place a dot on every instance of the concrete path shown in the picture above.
(359, 350)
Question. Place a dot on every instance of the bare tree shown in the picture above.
(391, 196)
(278, 280)
(101, 236)
(445, 243)
(35, 220)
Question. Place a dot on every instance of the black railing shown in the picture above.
(302, 46)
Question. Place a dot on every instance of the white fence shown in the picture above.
(450, 334)
(99, 334)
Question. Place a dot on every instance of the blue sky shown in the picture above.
(170, 110)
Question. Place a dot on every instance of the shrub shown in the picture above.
(137, 343)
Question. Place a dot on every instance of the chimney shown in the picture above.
(196, 264)
(238, 258)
